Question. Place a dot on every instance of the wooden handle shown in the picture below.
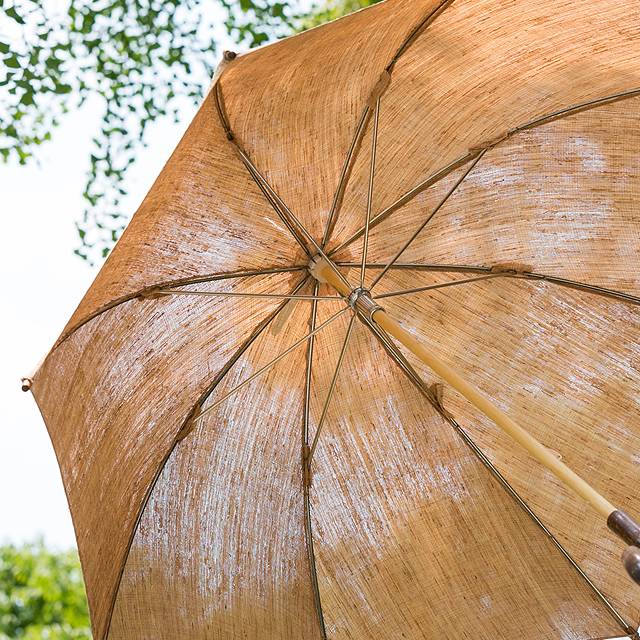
(621, 523)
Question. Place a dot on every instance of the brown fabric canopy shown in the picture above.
(206, 528)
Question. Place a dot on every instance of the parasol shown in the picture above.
(248, 405)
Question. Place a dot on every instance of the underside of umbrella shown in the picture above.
(472, 166)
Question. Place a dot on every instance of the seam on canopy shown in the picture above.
(269, 194)
(306, 470)
(415, 33)
(168, 283)
(296, 228)
(523, 275)
(526, 275)
(373, 100)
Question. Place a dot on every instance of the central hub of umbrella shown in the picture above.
(358, 298)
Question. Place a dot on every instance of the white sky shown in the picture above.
(43, 282)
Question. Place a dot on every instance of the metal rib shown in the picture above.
(565, 282)
(312, 560)
(418, 266)
(331, 389)
(443, 285)
(590, 288)
(405, 198)
(306, 498)
(223, 120)
(370, 193)
(614, 97)
(343, 175)
(252, 170)
(516, 496)
(410, 372)
(429, 217)
(307, 393)
(416, 31)
(258, 180)
(261, 327)
(236, 274)
(268, 366)
(221, 294)
(441, 173)
(254, 336)
(119, 301)
(265, 187)
(295, 220)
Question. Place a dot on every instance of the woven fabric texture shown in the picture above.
(509, 135)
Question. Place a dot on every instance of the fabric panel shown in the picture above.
(564, 365)
(220, 551)
(413, 535)
(114, 397)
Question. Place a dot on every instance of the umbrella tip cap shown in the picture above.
(26, 384)
(229, 55)
(315, 266)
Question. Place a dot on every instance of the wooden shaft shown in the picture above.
(535, 448)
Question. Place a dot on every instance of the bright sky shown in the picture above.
(43, 283)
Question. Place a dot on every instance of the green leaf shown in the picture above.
(12, 13)
(12, 62)
(27, 99)
(43, 594)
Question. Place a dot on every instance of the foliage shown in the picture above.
(138, 57)
(41, 594)
(142, 58)
(331, 10)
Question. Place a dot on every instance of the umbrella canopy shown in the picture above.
(502, 136)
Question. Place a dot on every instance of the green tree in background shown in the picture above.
(331, 10)
(142, 58)
(42, 594)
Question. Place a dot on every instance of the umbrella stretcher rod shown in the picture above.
(618, 520)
